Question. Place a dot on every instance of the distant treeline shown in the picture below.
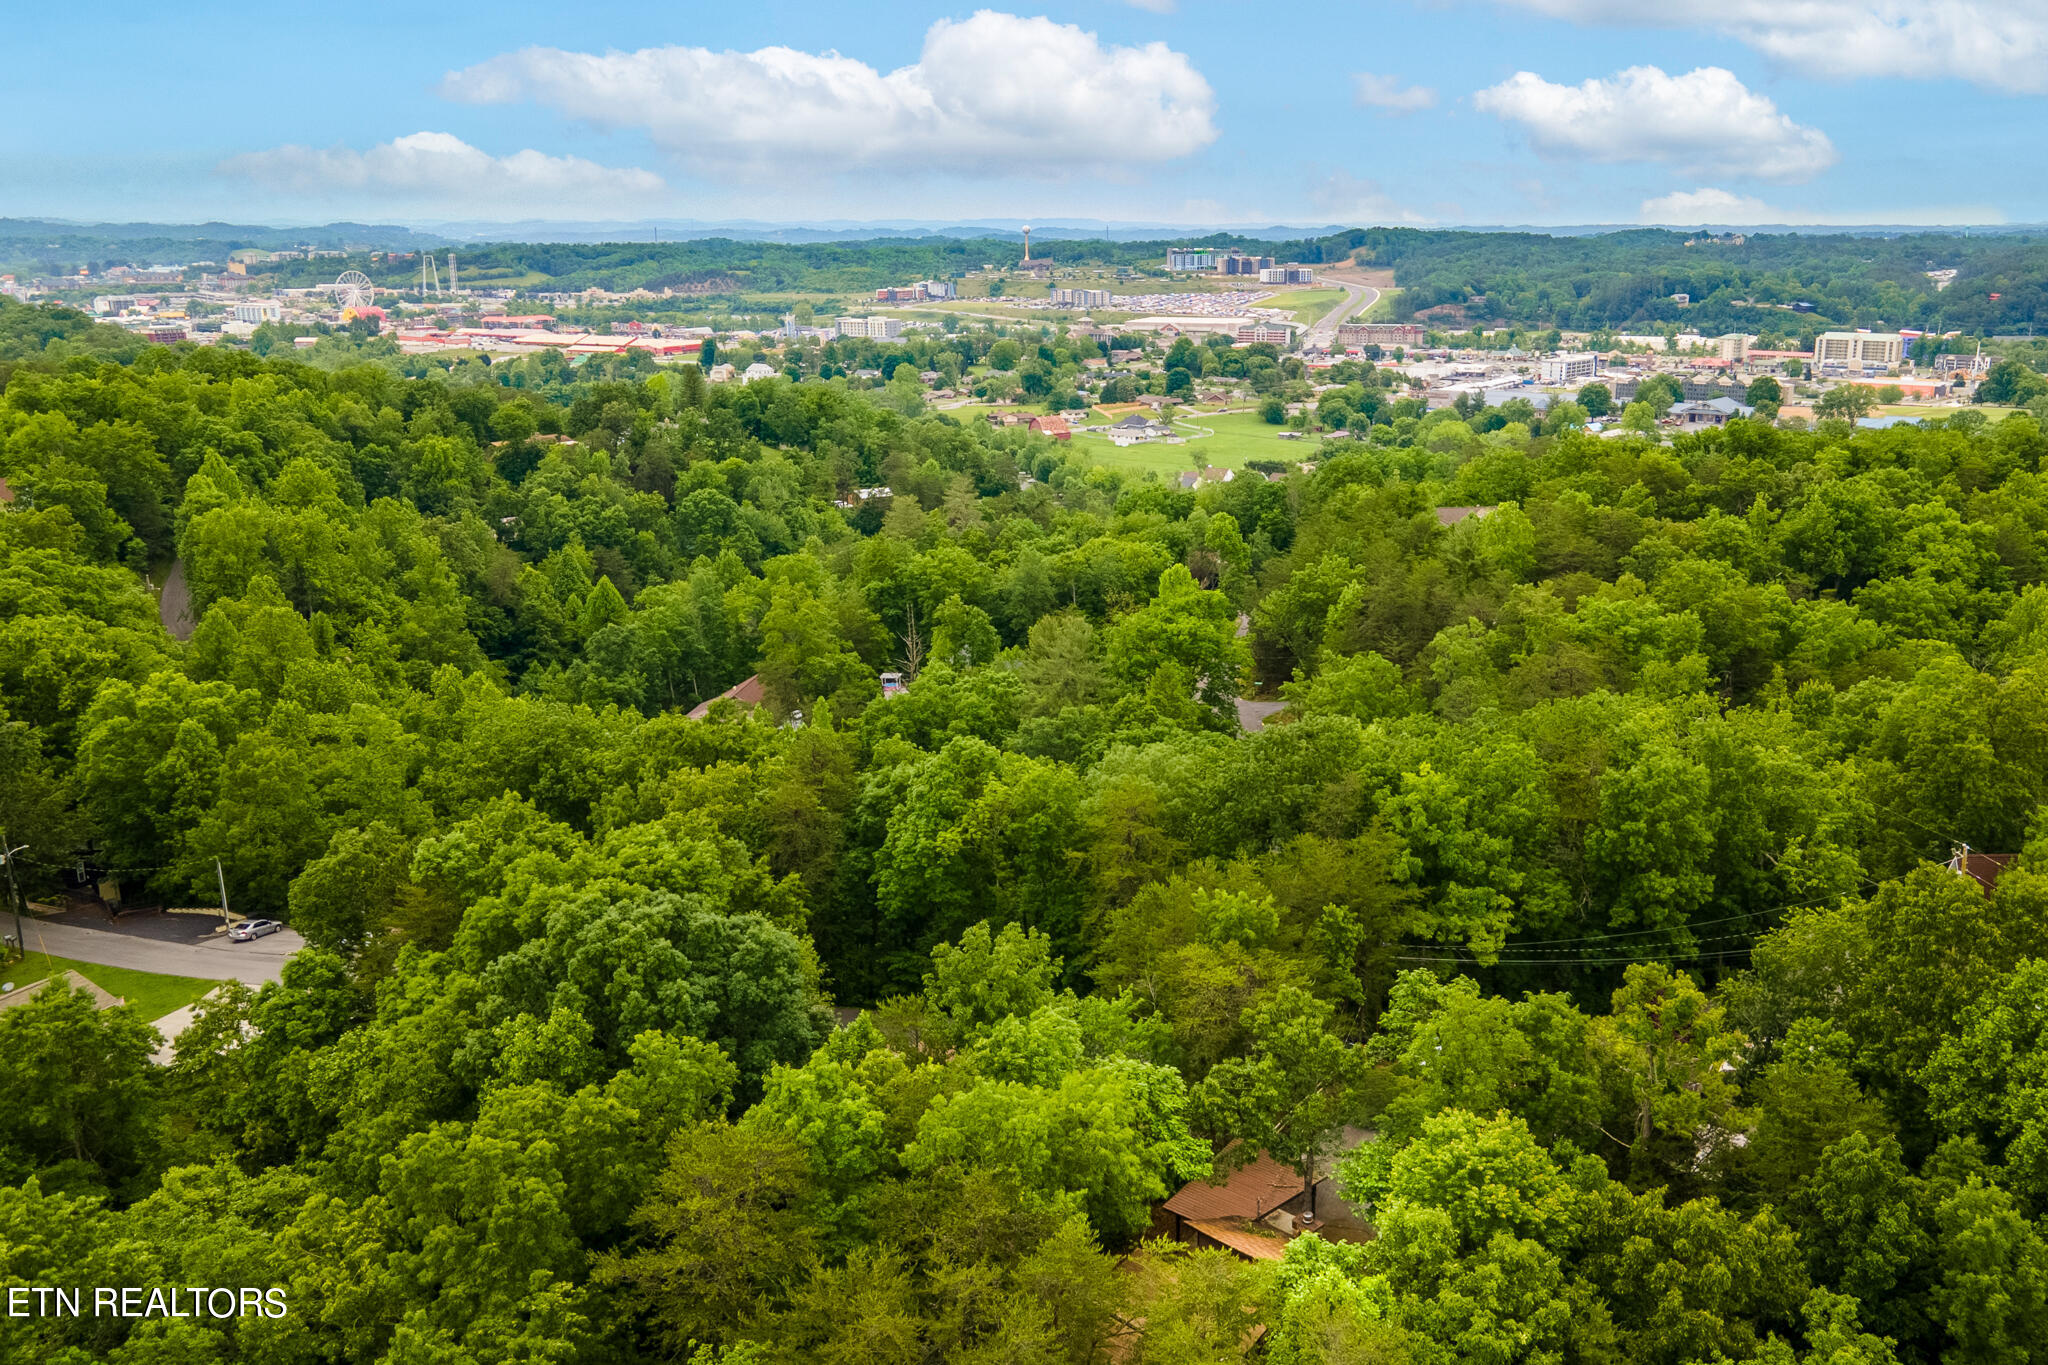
(1614, 280)
(1627, 279)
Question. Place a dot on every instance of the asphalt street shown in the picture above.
(213, 959)
(1357, 299)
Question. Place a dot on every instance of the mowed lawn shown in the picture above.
(1921, 413)
(154, 995)
(1304, 305)
(1236, 437)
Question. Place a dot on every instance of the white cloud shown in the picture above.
(1370, 91)
(1998, 43)
(1345, 198)
(1683, 207)
(1709, 205)
(1705, 121)
(441, 168)
(993, 92)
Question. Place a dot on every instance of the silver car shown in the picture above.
(252, 929)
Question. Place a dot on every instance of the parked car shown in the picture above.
(252, 929)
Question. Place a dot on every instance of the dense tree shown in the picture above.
(1594, 863)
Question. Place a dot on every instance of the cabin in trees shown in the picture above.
(748, 694)
(1981, 868)
(1451, 516)
(1257, 1209)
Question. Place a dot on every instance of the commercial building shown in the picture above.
(1237, 263)
(879, 329)
(1883, 349)
(1380, 334)
(1568, 368)
(1189, 258)
(1287, 274)
(259, 311)
(940, 289)
(1081, 298)
(1271, 333)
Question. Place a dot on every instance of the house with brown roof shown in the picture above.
(1451, 516)
(748, 694)
(1052, 425)
(1237, 1214)
(1982, 868)
(1255, 1210)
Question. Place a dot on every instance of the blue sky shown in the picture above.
(1213, 112)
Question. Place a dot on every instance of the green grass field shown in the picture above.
(155, 996)
(1236, 437)
(1304, 305)
(1382, 309)
(1992, 411)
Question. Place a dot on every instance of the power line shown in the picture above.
(1582, 962)
(1541, 944)
(1949, 835)
(103, 867)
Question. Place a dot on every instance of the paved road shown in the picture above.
(174, 603)
(1357, 298)
(1253, 715)
(214, 960)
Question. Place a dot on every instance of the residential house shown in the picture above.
(748, 694)
(1053, 425)
(1134, 429)
(1255, 1210)
(1982, 868)
(1451, 516)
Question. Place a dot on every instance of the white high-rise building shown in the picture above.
(879, 329)
(1859, 348)
(1567, 367)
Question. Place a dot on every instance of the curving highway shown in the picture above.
(1357, 298)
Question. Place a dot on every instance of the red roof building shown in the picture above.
(1982, 868)
(748, 694)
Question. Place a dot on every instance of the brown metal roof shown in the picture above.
(1252, 1191)
(1984, 867)
(1253, 1240)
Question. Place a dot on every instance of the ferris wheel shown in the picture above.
(353, 289)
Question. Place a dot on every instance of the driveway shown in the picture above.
(213, 959)
(174, 603)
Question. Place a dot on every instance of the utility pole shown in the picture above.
(14, 892)
(223, 892)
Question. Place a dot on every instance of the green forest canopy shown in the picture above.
(1595, 866)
